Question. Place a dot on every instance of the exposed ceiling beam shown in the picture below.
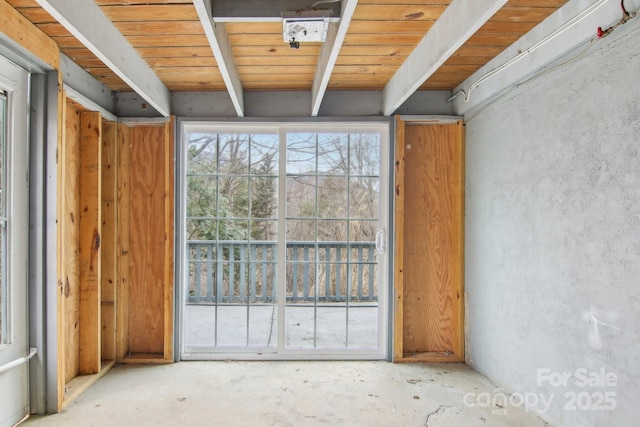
(329, 54)
(454, 27)
(221, 47)
(95, 31)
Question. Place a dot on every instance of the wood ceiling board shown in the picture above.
(468, 60)
(169, 40)
(115, 83)
(159, 28)
(522, 14)
(23, 3)
(502, 27)
(187, 71)
(364, 69)
(260, 40)
(278, 69)
(276, 50)
(198, 87)
(389, 27)
(385, 12)
(368, 84)
(190, 61)
(177, 79)
(54, 29)
(37, 15)
(370, 60)
(146, 13)
(382, 39)
(261, 86)
(174, 52)
(276, 60)
(376, 50)
(299, 78)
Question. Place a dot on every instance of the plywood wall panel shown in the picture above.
(146, 239)
(429, 242)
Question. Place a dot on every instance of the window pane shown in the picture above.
(202, 154)
(301, 153)
(333, 154)
(264, 197)
(264, 154)
(301, 196)
(364, 154)
(234, 154)
(202, 196)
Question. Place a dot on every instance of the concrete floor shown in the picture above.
(291, 394)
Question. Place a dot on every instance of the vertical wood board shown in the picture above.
(432, 238)
(90, 241)
(123, 258)
(169, 168)
(70, 242)
(147, 239)
(109, 235)
(398, 192)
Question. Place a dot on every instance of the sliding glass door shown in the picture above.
(284, 241)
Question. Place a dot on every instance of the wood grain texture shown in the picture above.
(122, 285)
(61, 228)
(147, 239)
(398, 275)
(108, 245)
(169, 168)
(90, 241)
(432, 247)
(381, 35)
(70, 243)
(19, 29)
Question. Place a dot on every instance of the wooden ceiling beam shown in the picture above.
(329, 54)
(221, 47)
(90, 25)
(454, 27)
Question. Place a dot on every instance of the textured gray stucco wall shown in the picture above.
(553, 239)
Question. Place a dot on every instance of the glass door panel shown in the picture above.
(231, 226)
(332, 217)
(280, 242)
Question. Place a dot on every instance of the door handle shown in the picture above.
(381, 241)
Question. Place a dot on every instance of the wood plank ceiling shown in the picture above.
(170, 38)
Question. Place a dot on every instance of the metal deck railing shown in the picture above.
(240, 272)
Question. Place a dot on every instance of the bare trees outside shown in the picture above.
(331, 213)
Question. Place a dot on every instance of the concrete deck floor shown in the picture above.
(260, 321)
(289, 394)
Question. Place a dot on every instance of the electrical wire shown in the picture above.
(578, 18)
(588, 46)
(318, 3)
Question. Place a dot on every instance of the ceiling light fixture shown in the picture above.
(305, 26)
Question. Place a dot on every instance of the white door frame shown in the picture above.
(14, 375)
(282, 353)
